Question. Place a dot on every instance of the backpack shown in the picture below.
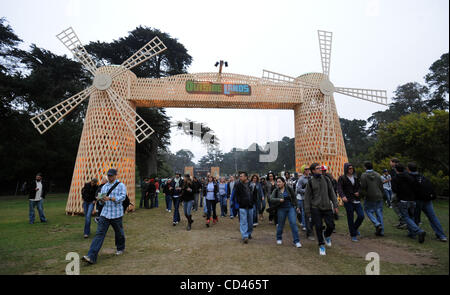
(126, 202)
(426, 190)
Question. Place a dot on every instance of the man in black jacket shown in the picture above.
(246, 201)
(424, 195)
(37, 191)
(395, 202)
(403, 186)
(348, 189)
(88, 193)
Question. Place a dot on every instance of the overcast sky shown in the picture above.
(377, 44)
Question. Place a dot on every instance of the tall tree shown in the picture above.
(437, 80)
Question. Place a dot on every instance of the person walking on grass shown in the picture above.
(197, 189)
(403, 185)
(168, 192)
(300, 194)
(246, 201)
(262, 201)
(151, 193)
(258, 195)
(319, 192)
(271, 185)
(144, 186)
(284, 197)
(372, 191)
(177, 185)
(99, 203)
(88, 194)
(231, 184)
(424, 197)
(223, 196)
(386, 180)
(188, 199)
(210, 191)
(37, 192)
(114, 193)
(395, 202)
(348, 189)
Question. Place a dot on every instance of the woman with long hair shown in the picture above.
(188, 199)
(210, 191)
(284, 197)
(257, 194)
(270, 186)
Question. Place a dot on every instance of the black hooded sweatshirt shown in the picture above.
(346, 188)
(403, 185)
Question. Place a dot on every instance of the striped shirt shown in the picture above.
(114, 209)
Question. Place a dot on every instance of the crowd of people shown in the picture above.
(311, 198)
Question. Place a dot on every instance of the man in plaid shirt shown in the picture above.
(112, 213)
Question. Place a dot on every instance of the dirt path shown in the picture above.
(154, 246)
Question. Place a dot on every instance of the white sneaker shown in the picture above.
(303, 228)
(322, 250)
(119, 252)
(279, 242)
(298, 245)
(328, 241)
(255, 224)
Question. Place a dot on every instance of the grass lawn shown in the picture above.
(154, 246)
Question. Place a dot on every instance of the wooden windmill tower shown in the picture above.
(111, 124)
(318, 134)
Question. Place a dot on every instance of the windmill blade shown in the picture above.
(43, 121)
(71, 41)
(280, 78)
(328, 144)
(129, 115)
(372, 95)
(152, 48)
(325, 39)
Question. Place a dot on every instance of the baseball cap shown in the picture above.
(323, 168)
(112, 172)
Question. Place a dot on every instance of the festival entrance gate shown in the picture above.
(112, 125)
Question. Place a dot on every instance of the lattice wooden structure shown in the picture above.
(112, 126)
(189, 170)
(215, 172)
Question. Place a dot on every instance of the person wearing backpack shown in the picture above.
(318, 194)
(371, 189)
(403, 186)
(114, 194)
(424, 197)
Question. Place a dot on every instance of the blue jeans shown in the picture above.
(223, 205)
(291, 215)
(353, 224)
(188, 207)
(39, 205)
(156, 204)
(168, 202)
(211, 209)
(102, 229)
(255, 214)
(405, 207)
(374, 211)
(388, 193)
(88, 207)
(205, 209)
(302, 218)
(427, 208)
(246, 222)
(176, 207)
